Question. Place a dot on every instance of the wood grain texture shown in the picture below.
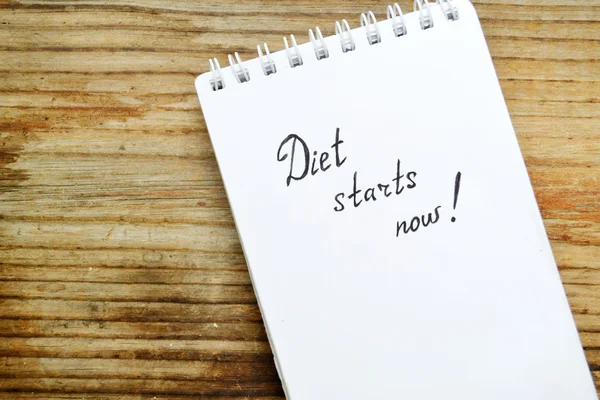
(121, 272)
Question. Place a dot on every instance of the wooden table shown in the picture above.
(121, 273)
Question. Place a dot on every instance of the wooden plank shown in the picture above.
(138, 349)
(568, 22)
(570, 256)
(569, 70)
(194, 276)
(588, 323)
(125, 292)
(19, 120)
(174, 42)
(277, 20)
(124, 258)
(209, 389)
(305, 6)
(195, 62)
(99, 368)
(197, 331)
(584, 233)
(77, 82)
(209, 238)
(122, 396)
(568, 13)
(127, 311)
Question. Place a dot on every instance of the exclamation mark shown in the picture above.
(456, 190)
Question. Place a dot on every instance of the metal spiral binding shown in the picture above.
(321, 50)
(369, 22)
(343, 32)
(293, 53)
(268, 65)
(399, 26)
(425, 17)
(241, 73)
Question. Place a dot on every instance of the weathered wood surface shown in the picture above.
(121, 273)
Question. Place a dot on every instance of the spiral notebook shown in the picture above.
(389, 225)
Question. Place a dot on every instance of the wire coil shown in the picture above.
(344, 33)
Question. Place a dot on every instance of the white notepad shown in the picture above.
(391, 231)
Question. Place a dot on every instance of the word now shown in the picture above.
(418, 221)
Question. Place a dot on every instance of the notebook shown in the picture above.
(385, 212)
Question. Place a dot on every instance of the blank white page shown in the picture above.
(367, 287)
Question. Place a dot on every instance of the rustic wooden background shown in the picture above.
(121, 274)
